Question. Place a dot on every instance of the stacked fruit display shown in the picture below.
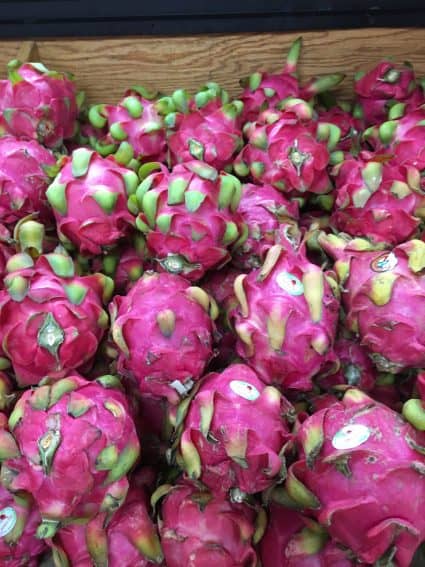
(212, 323)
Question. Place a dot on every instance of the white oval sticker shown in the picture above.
(290, 283)
(244, 390)
(385, 262)
(351, 436)
(8, 519)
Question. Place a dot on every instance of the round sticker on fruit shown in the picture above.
(290, 283)
(384, 263)
(351, 436)
(244, 390)
(8, 520)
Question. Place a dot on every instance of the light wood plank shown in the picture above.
(105, 67)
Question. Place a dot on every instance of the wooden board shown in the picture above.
(106, 67)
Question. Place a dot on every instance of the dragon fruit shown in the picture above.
(286, 319)
(7, 394)
(73, 444)
(404, 139)
(163, 331)
(342, 445)
(51, 321)
(349, 126)
(190, 217)
(39, 104)
(209, 98)
(383, 86)
(219, 285)
(24, 178)
(355, 367)
(128, 540)
(377, 200)
(384, 297)
(414, 409)
(235, 432)
(265, 90)
(213, 138)
(200, 528)
(265, 212)
(125, 264)
(287, 153)
(135, 128)
(18, 525)
(294, 540)
(89, 200)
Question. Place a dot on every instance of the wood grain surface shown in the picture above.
(104, 68)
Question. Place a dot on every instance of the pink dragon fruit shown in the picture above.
(383, 86)
(384, 297)
(19, 520)
(199, 528)
(288, 154)
(163, 331)
(294, 540)
(265, 212)
(6, 251)
(24, 178)
(340, 447)
(286, 319)
(89, 200)
(265, 90)
(404, 139)
(414, 409)
(125, 264)
(235, 432)
(219, 285)
(7, 393)
(355, 367)
(349, 126)
(39, 104)
(190, 217)
(73, 444)
(209, 98)
(376, 199)
(51, 321)
(128, 540)
(213, 138)
(135, 128)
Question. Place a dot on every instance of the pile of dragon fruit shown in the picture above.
(212, 322)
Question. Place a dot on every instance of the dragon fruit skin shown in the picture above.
(74, 444)
(202, 529)
(384, 297)
(38, 104)
(349, 125)
(293, 540)
(24, 180)
(287, 155)
(286, 319)
(163, 330)
(355, 367)
(124, 264)
(265, 211)
(89, 200)
(235, 431)
(384, 85)
(213, 138)
(19, 519)
(51, 321)
(128, 540)
(190, 217)
(133, 126)
(265, 90)
(219, 284)
(374, 199)
(342, 445)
